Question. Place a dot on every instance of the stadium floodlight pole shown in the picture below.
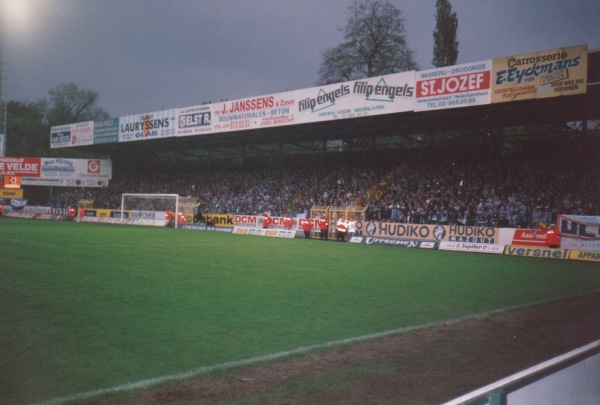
(4, 133)
(3, 138)
(2, 82)
(122, 204)
(177, 212)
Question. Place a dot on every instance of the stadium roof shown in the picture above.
(538, 117)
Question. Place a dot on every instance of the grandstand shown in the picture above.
(529, 160)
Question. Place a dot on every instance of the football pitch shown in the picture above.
(88, 309)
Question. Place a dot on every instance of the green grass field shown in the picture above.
(86, 307)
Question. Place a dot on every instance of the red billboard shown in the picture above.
(20, 166)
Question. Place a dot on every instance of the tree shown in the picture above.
(69, 104)
(445, 44)
(28, 124)
(374, 45)
(27, 134)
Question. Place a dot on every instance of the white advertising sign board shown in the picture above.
(71, 173)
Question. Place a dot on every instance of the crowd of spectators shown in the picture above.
(509, 193)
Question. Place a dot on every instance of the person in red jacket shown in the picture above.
(341, 229)
(288, 221)
(307, 227)
(266, 220)
(324, 227)
(552, 236)
(71, 214)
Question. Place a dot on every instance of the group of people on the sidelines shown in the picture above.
(170, 217)
(345, 228)
(322, 223)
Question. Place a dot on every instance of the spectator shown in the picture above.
(520, 192)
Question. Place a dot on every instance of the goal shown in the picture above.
(149, 208)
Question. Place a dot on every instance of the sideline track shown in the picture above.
(143, 384)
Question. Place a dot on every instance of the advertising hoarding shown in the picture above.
(13, 182)
(360, 98)
(431, 233)
(106, 131)
(8, 194)
(454, 86)
(552, 73)
(536, 75)
(579, 232)
(195, 120)
(140, 127)
(546, 253)
(20, 166)
(79, 134)
(70, 173)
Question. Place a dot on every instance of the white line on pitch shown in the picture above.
(283, 354)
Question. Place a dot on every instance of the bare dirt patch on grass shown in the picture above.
(425, 366)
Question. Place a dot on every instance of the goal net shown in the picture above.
(150, 209)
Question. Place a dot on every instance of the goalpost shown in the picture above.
(150, 207)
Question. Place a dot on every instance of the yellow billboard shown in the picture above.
(11, 193)
(587, 255)
(552, 73)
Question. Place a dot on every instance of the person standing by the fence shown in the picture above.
(306, 227)
(341, 229)
(351, 228)
(324, 227)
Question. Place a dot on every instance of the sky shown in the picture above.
(150, 55)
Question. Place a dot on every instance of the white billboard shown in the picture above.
(195, 120)
(360, 98)
(71, 173)
(79, 134)
(140, 127)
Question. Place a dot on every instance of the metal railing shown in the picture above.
(497, 392)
